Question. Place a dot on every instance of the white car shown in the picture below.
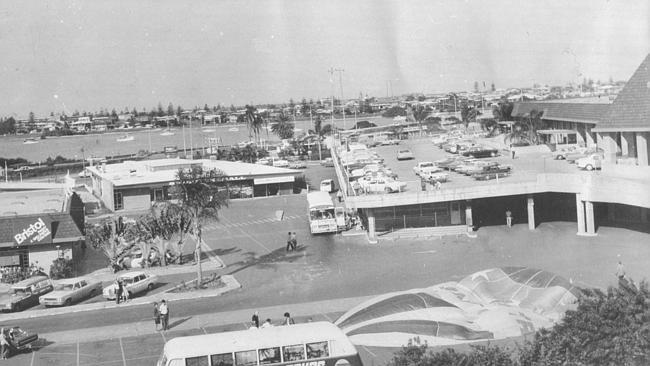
(590, 162)
(439, 139)
(281, 163)
(425, 166)
(71, 290)
(135, 282)
(382, 184)
(436, 177)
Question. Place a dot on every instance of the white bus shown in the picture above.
(308, 344)
(321, 213)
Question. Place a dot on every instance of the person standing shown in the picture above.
(289, 246)
(156, 315)
(512, 151)
(256, 319)
(294, 241)
(508, 218)
(118, 291)
(339, 195)
(164, 315)
(620, 271)
(4, 344)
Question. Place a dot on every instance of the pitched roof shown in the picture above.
(563, 111)
(631, 109)
(61, 225)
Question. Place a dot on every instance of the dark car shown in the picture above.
(19, 339)
(363, 124)
(493, 172)
(480, 152)
(25, 294)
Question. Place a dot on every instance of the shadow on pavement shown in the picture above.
(179, 322)
(268, 260)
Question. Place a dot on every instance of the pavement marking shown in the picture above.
(77, 353)
(33, 357)
(163, 337)
(204, 331)
(121, 348)
(327, 317)
(255, 240)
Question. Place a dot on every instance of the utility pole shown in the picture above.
(331, 71)
(340, 71)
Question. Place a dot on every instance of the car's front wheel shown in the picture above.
(150, 287)
(67, 302)
(589, 167)
(387, 190)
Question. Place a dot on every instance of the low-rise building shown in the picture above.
(135, 185)
(37, 227)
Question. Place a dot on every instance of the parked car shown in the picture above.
(297, 164)
(327, 162)
(439, 139)
(480, 152)
(280, 163)
(382, 184)
(25, 294)
(493, 172)
(19, 339)
(85, 174)
(390, 142)
(405, 154)
(418, 169)
(263, 161)
(69, 291)
(135, 282)
(581, 153)
(560, 154)
(590, 162)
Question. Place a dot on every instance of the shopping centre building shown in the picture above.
(135, 185)
(39, 226)
(616, 195)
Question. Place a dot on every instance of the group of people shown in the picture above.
(292, 241)
(7, 338)
(161, 315)
(121, 293)
(255, 321)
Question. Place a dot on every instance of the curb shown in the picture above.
(230, 284)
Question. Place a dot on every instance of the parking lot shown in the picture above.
(525, 167)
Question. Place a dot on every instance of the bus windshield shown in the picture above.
(321, 213)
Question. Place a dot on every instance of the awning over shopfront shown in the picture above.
(557, 132)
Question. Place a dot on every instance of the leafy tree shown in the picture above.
(110, 237)
(493, 88)
(503, 111)
(200, 194)
(394, 112)
(283, 128)
(31, 121)
(476, 87)
(170, 109)
(417, 354)
(8, 126)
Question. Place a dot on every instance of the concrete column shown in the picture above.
(580, 211)
(609, 146)
(372, 235)
(625, 143)
(642, 148)
(468, 215)
(531, 213)
(589, 215)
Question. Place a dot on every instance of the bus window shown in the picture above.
(294, 353)
(269, 355)
(224, 359)
(317, 350)
(197, 361)
(246, 358)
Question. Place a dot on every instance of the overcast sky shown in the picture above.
(72, 55)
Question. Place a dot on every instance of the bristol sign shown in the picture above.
(34, 233)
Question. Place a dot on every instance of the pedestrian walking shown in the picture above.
(438, 185)
(118, 291)
(164, 314)
(156, 315)
(4, 344)
(339, 195)
(288, 320)
(620, 271)
(294, 241)
(508, 218)
(256, 319)
(125, 293)
(289, 243)
(512, 151)
(423, 184)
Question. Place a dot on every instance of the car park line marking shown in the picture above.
(367, 350)
(255, 240)
(204, 331)
(163, 337)
(33, 357)
(327, 317)
(77, 353)
(122, 348)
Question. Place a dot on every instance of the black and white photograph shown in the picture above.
(324, 183)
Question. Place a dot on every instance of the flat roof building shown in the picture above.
(135, 185)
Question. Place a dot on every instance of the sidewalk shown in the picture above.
(242, 316)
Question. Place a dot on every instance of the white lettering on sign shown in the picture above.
(35, 232)
(312, 363)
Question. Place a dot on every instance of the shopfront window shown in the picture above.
(118, 202)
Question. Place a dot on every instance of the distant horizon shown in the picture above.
(66, 56)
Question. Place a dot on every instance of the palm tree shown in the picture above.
(254, 122)
(283, 128)
(420, 113)
(200, 195)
